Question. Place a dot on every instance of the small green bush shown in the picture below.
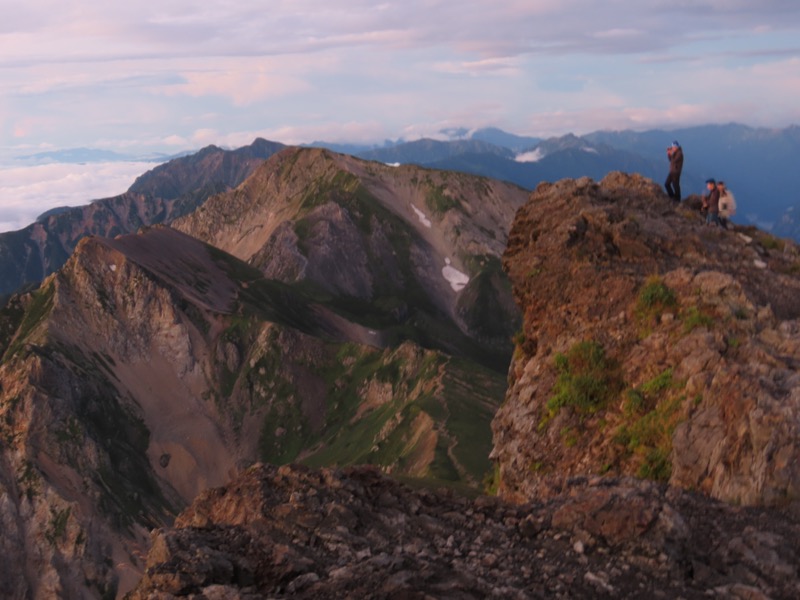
(659, 383)
(656, 465)
(587, 379)
(655, 296)
(695, 318)
(654, 299)
(770, 242)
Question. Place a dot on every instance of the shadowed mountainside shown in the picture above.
(169, 190)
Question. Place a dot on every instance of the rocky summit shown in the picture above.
(652, 345)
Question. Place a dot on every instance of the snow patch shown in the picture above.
(395, 164)
(422, 217)
(454, 277)
(531, 156)
(587, 149)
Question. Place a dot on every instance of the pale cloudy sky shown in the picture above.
(174, 74)
(171, 75)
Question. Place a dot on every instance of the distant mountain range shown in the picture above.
(164, 193)
(759, 166)
(91, 155)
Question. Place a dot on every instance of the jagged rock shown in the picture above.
(293, 532)
(651, 346)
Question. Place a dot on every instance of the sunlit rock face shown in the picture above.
(652, 345)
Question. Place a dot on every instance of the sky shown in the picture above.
(172, 75)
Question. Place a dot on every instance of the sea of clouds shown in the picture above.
(28, 190)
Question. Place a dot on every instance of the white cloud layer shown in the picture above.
(28, 191)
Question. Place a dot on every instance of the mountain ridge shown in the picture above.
(28, 255)
(153, 365)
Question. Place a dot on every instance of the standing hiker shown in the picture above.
(711, 201)
(673, 182)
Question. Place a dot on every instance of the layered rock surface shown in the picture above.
(652, 345)
(290, 532)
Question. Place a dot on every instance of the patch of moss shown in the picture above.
(646, 437)
(491, 481)
(57, 527)
(770, 242)
(695, 317)
(654, 298)
(438, 200)
(586, 381)
(40, 306)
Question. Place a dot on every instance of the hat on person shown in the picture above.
(676, 144)
(711, 181)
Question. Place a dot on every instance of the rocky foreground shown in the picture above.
(288, 531)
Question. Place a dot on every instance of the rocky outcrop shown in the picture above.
(652, 345)
(290, 532)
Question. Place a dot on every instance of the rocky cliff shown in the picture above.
(652, 345)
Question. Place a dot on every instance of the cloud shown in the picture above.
(28, 191)
(156, 73)
(242, 87)
(532, 156)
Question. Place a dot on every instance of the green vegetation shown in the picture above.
(491, 481)
(770, 242)
(11, 315)
(654, 298)
(57, 528)
(587, 380)
(348, 440)
(651, 414)
(695, 318)
(29, 480)
(438, 199)
(424, 414)
(40, 307)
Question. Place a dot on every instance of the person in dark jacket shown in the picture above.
(673, 182)
(711, 201)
